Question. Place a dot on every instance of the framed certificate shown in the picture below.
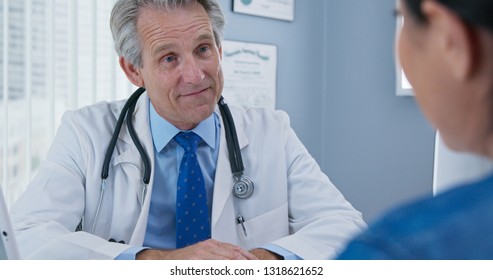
(278, 9)
(250, 74)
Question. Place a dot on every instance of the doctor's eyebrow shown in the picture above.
(205, 37)
(163, 48)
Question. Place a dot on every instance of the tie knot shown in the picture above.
(188, 141)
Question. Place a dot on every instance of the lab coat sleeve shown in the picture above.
(321, 221)
(47, 214)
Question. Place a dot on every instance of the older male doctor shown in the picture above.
(173, 49)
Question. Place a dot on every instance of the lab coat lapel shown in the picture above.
(141, 125)
(223, 212)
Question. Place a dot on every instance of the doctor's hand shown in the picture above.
(206, 250)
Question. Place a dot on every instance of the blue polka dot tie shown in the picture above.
(192, 214)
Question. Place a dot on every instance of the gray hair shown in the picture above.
(123, 23)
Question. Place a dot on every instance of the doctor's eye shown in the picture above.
(203, 49)
(169, 59)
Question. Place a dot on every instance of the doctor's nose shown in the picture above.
(191, 72)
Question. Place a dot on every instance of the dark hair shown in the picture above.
(474, 12)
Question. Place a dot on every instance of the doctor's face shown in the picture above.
(181, 64)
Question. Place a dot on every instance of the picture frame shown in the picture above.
(250, 74)
(276, 9)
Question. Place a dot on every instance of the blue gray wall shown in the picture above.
(336, 80)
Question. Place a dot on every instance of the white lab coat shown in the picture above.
(294, 204)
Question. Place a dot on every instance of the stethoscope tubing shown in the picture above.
(111, 146)
(235, 158)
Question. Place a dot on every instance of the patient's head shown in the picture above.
(446, 50)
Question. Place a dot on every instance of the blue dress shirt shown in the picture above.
(161, 228)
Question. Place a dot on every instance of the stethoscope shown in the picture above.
(242, 187)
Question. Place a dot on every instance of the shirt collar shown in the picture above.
(163, 131)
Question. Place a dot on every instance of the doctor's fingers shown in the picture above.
(224, 251)
(244, 254)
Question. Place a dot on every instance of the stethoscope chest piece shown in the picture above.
(243, 187)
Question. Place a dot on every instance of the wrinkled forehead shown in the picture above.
(181, 18)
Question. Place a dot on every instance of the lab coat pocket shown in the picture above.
(264, 228)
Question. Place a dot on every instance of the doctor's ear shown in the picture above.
(132, 72)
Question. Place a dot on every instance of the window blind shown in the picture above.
(57, 55)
